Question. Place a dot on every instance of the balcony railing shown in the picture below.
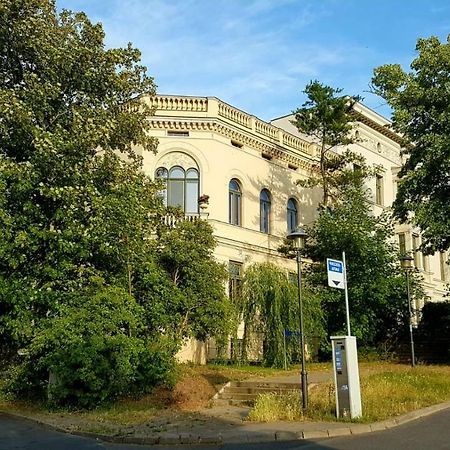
(171, 220)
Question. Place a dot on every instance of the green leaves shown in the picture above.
(377, 290)
(269, 305)
(327, 117)
(197, 297)
(420, 101)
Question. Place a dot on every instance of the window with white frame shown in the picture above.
(182, 187)
(234, 280)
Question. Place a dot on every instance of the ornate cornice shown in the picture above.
(383, 129)
(215, 125)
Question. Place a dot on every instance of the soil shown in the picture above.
(191, 393)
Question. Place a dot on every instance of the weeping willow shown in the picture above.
(269, 305)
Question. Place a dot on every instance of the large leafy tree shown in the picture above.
(71, 209)
(327, 117)
(420, 102)
(376, 286)
(181, 285)
(82, 238)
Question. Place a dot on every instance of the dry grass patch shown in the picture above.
(387, 390)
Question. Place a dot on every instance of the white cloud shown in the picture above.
(255, 54)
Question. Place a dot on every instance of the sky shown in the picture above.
(258, 55)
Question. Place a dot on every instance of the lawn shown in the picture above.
(387, 390)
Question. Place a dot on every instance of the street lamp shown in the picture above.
(298, 237)
(406, 262)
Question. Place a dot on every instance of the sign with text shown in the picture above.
(335, 270)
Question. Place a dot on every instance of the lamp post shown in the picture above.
(406, 263)
(298, 237)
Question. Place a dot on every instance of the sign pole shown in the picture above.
(347, 313)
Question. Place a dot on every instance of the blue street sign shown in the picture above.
(289, 333)
(335, 270)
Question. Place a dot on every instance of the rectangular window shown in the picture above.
(235, 279)
(178, 133)
(265, 217)
(442, 264)
(191, 196)
(176, 193)
(402, 243)
(416, 253)
(379, 190)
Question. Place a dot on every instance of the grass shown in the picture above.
(387, 390)
(192, 382)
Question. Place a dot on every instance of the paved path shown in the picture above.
(431, 432)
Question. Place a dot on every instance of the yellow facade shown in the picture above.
(219, 143)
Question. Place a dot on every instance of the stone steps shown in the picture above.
(246, 392)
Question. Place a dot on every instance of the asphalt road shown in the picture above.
(429, 433)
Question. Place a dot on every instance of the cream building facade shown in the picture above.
(249, 170)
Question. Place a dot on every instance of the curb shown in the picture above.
(245, 436)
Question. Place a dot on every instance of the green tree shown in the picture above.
(268, 306)
(327, 117)
(419, 100)
(376, 285)
(71, 209)
(197, 304)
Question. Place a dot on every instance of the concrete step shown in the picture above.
(261, 389)
(246, 392)
(265, 384)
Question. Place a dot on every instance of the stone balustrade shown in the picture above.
(171, 221)
(266, 129)
(213, 107)
(172, 103)
(234, 114)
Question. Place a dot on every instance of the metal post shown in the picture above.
(304, 374)
(411, 337)
(347, 313)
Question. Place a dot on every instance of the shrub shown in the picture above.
(91, 353)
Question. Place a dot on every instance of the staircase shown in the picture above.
(246, 392)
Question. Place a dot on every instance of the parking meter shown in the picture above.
(346, 376)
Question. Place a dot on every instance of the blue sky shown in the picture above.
(258, 55)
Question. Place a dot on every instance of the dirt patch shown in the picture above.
(190, 393)
(193, 393)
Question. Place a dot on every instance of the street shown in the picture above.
(432, 432)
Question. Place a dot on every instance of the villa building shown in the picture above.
(249, 170)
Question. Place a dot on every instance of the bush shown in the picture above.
(91, 353)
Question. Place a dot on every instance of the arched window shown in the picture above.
(181, 188)
(264, 208)
(292, 215)
(234, 204)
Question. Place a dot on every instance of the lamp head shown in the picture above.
(406, 262)
(298, 236)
